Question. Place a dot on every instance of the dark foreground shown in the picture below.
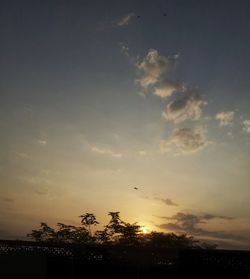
(20, 259)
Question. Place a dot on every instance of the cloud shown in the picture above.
(106, 151)
(42, 142)
(185, 140)
(166, 201)
(124, 49)
(246, 126)
(153, 66)
(41, 192)
(20, 155)
(6, 199)
(189, 223)
(126, 20)
(187, 107)
(225, 118)
(168, 88)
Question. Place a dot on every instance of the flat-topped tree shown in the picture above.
(88, 219)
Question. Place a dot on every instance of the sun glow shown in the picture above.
(145, 230)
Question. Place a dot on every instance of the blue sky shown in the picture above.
(95, 99)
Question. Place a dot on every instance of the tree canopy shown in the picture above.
(116, 232)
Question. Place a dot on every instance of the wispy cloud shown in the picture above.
(185, 140)
(166, 201)
(189, 106)
(6, 199)
(106, 152)
(142, 152)
(125, 20)
(21, 155)
(42, 142)
(41, 192)
(246, 126)
(225, 118)
(124, 49)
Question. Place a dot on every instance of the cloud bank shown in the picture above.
(189, 223)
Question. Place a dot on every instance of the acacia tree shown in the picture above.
(88, 219)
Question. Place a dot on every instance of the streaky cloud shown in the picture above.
(106, 152)
(126, 20)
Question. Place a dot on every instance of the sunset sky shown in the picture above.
(99, 97)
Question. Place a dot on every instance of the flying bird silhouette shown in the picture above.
(135, 188)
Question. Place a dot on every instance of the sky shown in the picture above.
(99, 97)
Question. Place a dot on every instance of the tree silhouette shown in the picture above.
(45, 233)
(88, 219)
(64, 233)
(130, 233)
(116, 232)
(103, 237)
(170, 240)
(114, 226)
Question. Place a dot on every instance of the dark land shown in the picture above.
(28, 259)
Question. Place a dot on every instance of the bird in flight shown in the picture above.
(135, 188)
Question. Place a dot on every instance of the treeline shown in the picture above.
(116, 232)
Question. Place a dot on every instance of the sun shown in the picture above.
(145, 230)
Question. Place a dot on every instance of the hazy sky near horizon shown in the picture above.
(98, 97)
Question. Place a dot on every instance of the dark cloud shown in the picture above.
(189, 223)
